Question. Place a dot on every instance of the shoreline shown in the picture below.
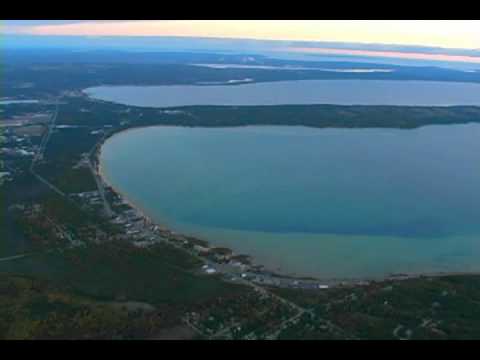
(206, 243)
(425, 104)
(259, 268)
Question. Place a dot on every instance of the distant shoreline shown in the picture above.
(403, 92)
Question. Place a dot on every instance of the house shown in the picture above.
(200, 249)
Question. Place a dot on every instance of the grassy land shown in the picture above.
(79, 293)
(34, 309)
(116, 271)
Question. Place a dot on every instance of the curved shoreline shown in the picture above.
(144, 214)
(260, 268)
(205, 242)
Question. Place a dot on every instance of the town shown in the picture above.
(79, 260)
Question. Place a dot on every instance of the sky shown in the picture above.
(444, 33)
(450, 34)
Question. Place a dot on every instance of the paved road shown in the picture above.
(46, 138)
(101, 190)
(14, 257)
(51, 186)
(41, 151)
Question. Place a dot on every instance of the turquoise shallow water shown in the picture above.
(324, 202)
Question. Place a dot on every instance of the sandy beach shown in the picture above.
(144, 214)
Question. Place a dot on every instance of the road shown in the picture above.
(46, 138)
(194, 328)
(41, 151)
(14, 257)
(101, 190)
(110, 213)
(51, 186)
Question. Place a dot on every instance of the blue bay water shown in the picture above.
(341, 203)
(339, 92)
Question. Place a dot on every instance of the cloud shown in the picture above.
(385, 53)
(442, 33)
(50, 22)
(32, 27)
(421, 40)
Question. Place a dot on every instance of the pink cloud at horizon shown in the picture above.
(448, 34)
(387, 54)
(461, 34)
